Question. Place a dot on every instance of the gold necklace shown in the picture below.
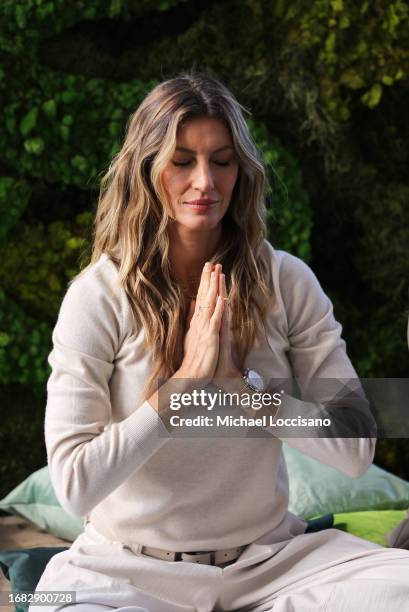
(187, 286)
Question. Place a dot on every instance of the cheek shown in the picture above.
(231, 180)
(177, 186)
(172, 185)
(168, 185)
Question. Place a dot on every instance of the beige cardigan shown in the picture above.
(110, 457)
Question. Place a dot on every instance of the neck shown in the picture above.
(189, 251)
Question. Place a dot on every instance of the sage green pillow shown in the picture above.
(34, 499)
(317, 489)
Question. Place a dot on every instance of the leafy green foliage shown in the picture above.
(51, 255)
(49, 135)
(383, 242)
(358, 47)
(24, 345)
(14, 195)
(289, 218)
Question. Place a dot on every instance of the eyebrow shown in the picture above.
(186, 150)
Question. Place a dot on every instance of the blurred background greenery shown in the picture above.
(327, 86)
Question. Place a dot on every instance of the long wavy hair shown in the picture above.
(132, 217)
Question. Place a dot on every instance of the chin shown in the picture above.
(199, 223)
(200, 227)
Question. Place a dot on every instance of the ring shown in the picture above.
(203, 307)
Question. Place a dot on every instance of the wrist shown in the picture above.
(230, 375)
(187, 381)
(231, 382)
(235, 383)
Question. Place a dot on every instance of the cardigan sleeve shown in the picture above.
(87, 462)
(316, 351)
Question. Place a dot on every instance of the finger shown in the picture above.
(223, 335)
(205, 306)
(213, 288)
(226, 321)
(191, 312)
(222, 285)
(204, 281)
(217, 315)
(225, 339)
(223, 294)
(208, 300)
(229, 318)
(217, 269)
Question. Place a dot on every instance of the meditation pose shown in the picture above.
(184, 295)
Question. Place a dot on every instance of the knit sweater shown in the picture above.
(110, 457)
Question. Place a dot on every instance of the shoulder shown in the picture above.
(94, 300)
(296, 288)
(288, 271)
(101, 277)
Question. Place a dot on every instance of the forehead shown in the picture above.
(202, 133)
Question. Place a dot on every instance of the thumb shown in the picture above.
(191, 311)
(224, 329)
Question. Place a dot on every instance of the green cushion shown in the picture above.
(25, 567)
(34, 499)
(317, 489)
(372, 525)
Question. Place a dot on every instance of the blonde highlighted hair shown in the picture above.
(131, 220)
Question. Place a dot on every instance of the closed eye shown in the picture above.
(187, 163)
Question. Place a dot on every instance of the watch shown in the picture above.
(254, 380)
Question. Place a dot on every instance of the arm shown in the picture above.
(86, 462)
(317, 351)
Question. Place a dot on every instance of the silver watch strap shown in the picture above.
(247, 382)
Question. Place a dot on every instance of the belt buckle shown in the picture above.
(207, 558)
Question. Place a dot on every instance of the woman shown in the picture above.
(199, 523)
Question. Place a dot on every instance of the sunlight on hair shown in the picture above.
(132, 218)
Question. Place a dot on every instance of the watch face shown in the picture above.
(255, 380)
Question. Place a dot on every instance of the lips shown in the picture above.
(199, 206)
(202, 202)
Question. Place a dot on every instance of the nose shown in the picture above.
(203, 177)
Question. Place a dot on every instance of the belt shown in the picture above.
(212, 557)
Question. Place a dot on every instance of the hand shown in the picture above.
(201, 342)
(226, 367)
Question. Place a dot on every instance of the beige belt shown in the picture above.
(213, 557)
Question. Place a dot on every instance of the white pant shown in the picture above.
(89, 607)
(327, 571)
